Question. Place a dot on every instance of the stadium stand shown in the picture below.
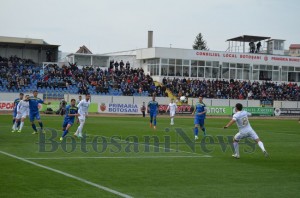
(233, 89)
(22, 75)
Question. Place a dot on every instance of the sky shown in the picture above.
(118, 25)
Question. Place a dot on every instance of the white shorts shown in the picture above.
(21, 115)
(172, 114)
(81, 118)
(242, 135)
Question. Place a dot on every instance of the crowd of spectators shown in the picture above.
(233, 89)
(18, 73)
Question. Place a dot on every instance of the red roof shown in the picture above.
(295, 46)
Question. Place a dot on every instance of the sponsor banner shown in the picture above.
(6, 105)
(259, 111)
(219, 110)
(181, 109)
(287, 111)
(122, 108)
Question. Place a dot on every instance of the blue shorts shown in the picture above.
(34, 115)
(199, 121)
(66, 122)
(15, 113)
(153, 114)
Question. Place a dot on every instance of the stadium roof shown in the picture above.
(23, 41)
(295, 46)
(248, 38)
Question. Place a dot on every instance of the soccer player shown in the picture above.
(200, 115)
(34, 113)
(16, 102)
(153, 109)
(83, 109)
(22, 112)
(245, 130)
(172, 107)
(71, 113)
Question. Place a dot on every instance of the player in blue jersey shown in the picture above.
(34, 113)
(200, 114)
(16, 102)
(153, 110)
(71, 113)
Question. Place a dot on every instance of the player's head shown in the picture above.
(200, 98)
(35, 93)
(21, 96)
(172, 100)
(87, 96)
(73, 102)
(79, 97)
(238, 107)
(27, 97)
(153, 96)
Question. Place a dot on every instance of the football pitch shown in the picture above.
(124, 157)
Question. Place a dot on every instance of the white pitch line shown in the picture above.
(68, 175)
(145, 157)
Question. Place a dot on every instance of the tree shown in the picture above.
(200, 43)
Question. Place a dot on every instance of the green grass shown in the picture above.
(128, 168)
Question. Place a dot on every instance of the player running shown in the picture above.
(83, 109)
(71, 113)
(200, 115)
(22, 112)
(245, 130)
(16, 102)
(172, 107)
(34, 113)
(153, 109)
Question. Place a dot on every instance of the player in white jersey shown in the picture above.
(83, 109)
(245, 130)
(172, 107)
(22, 112)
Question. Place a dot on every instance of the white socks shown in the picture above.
(261, 145)
(79, 129)
(21, 125)
(236, 148)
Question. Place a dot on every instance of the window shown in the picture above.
(186, 71)
(275, 75)
(179, 70)
(208, 73)
(208, 63)
(225, 73)
(164, 70)
(201, 63)
(215, 72)
(225, 65)
(255, 74)
(239, 73)
(201, 72)
(178, 62)
(194, 72)
(215, 64)
(171, 70)
(275, 68)
(186, 62)
(232, 65)
(246, 74)
(164, 61)
(232, 74)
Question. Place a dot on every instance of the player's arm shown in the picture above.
(168, 108)
(41, 101)
(194, 110)
(205, 110)
(229, 123)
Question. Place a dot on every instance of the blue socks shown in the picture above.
(196, 131)
(204, 131)
(154, 121)
(41, 125)
(34, 127)
(65, 133)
